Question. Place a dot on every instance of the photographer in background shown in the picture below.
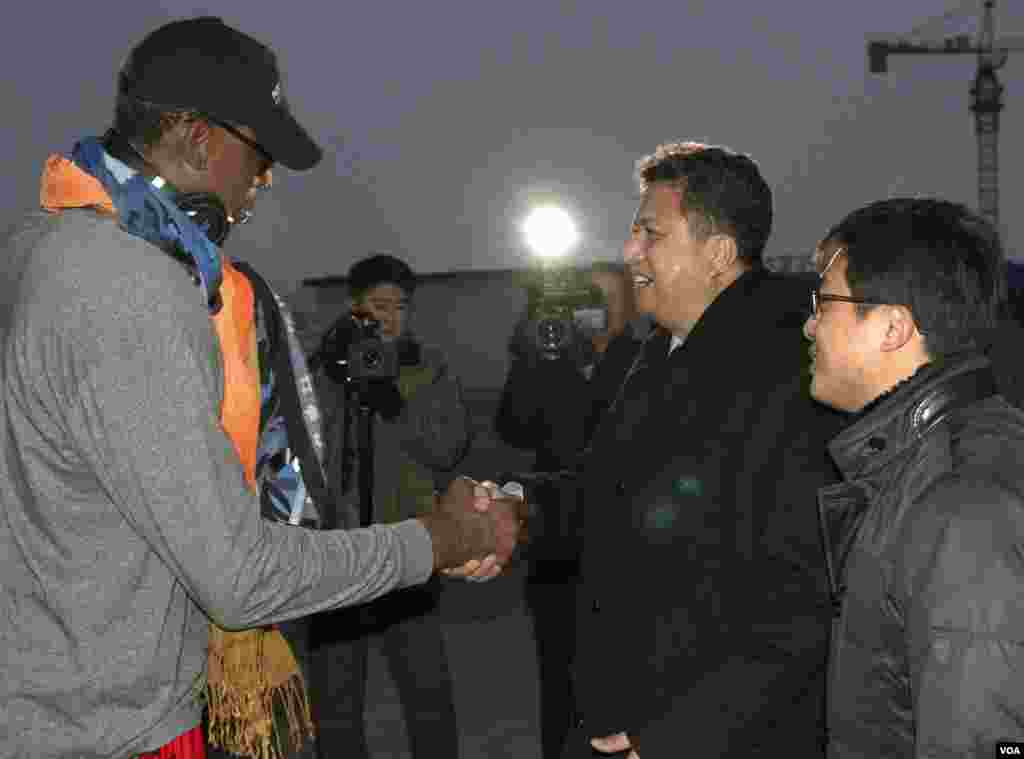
(550, 405)
(419, 432)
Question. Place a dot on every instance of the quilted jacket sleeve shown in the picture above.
(964, 575)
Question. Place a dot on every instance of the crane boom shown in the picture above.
(986, 92)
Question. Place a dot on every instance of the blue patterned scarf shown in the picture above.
(150, 213)
(290, 409)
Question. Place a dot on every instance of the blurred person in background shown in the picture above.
(420, 433)
(550, 406)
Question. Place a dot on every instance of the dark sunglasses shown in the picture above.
(235, 132)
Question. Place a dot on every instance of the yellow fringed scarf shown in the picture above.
(251, 674)
(252, 671)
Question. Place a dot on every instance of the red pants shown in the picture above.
(190, 745)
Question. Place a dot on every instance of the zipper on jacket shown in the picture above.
(835, 590)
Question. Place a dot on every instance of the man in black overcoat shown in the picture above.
(703, 613)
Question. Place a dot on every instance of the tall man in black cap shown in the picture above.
(130, 425)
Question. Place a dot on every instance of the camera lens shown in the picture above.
(551, 334)
(372, 359)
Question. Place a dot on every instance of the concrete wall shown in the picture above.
(470, 315)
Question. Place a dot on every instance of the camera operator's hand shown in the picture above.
(474, 533)
(384, 397)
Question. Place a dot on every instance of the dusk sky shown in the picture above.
(443, 122)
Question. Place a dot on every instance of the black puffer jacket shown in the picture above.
(925, 541)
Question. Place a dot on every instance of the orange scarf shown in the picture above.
(249, 671)
(64, 185)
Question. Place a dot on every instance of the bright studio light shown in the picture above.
(550, 232)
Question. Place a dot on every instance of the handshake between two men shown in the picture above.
(475, 528)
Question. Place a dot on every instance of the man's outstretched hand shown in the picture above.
(475, 529)
(491, 497)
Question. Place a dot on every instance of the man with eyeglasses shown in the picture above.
(151, 388)
(923, 535)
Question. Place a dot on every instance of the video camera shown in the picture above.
(564, 311)
(352, 349)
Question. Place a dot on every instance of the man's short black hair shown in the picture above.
(723, 192)
(938, 258)
(378, 270)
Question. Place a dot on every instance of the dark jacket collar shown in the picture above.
(908, 412)
(729, 312)
(758, 302)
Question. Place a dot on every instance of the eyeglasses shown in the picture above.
(237, 133)
(818, 297)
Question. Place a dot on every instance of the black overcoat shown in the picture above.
(704, 608)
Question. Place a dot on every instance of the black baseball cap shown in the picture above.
(202, 64)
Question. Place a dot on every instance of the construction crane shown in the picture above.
(986, 93)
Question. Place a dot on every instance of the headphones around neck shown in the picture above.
(204, 208)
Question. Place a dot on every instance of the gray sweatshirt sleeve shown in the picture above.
(144, 386)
